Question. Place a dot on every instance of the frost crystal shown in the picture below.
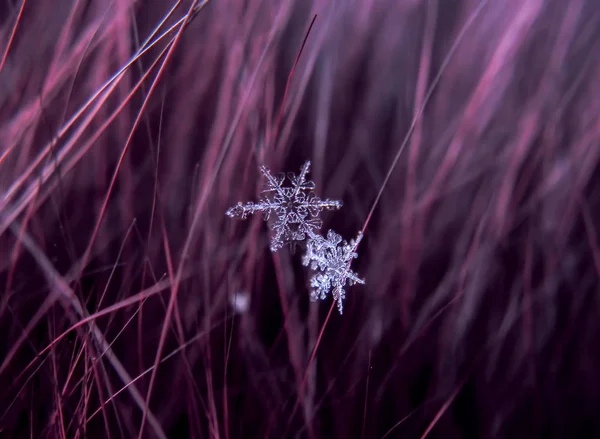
(293, 215)
(296, 208)
(331, 259)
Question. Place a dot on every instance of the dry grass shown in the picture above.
(462, 137)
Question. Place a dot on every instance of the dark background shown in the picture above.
(479, 316)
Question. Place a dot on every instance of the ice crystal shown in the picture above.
(296, 208)
(331, 258)
(293, 215)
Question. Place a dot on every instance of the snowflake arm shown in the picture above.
(242, 211)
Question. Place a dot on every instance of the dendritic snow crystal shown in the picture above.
(331, 258)
(293, 215)
(296, 207)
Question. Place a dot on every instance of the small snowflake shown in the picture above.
(331, 258)
(296, 207)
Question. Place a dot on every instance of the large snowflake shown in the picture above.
(296, 208)
(331, 258)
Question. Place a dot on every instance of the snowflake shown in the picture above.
(331, 258)
(296, 207)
